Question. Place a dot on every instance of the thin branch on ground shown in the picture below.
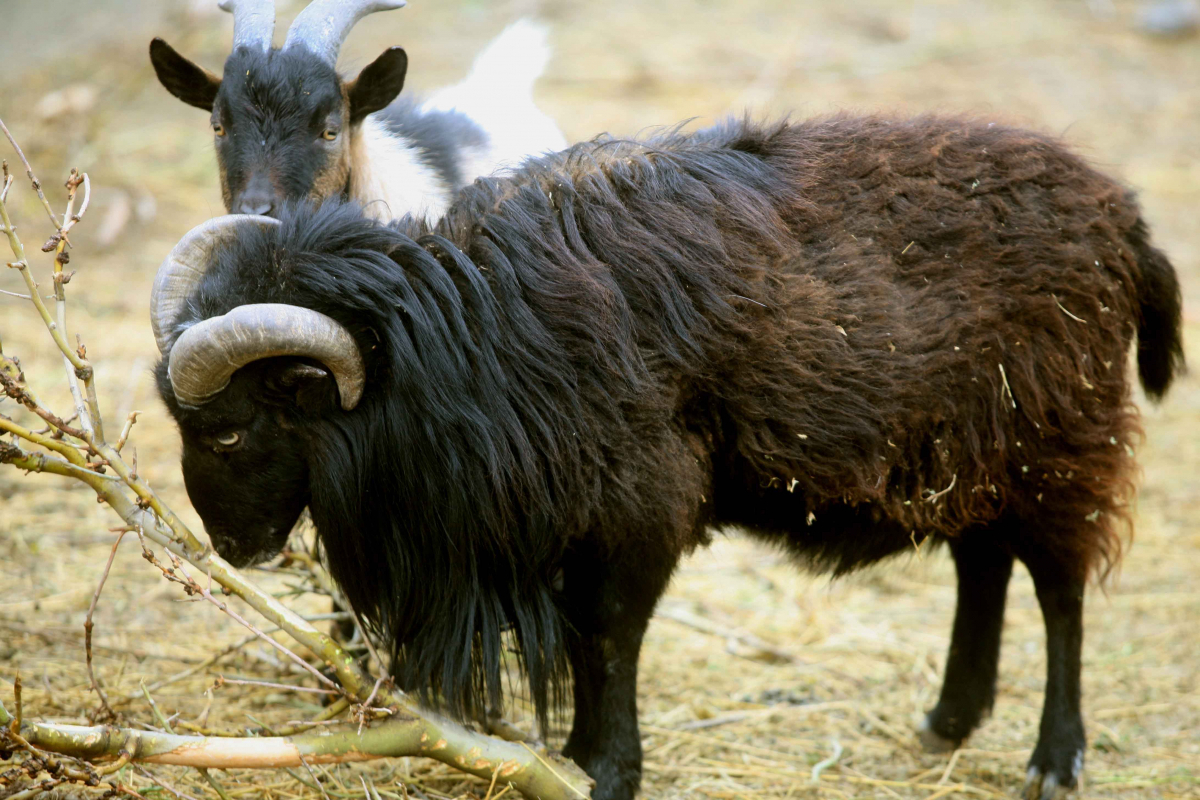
(87, 625)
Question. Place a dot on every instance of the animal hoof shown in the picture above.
(1042, 787)
(1044, 781)
(934, 742)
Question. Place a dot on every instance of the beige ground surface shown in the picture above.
(868, 650)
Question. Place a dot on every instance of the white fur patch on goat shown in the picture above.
(498, 95)
(388, 177)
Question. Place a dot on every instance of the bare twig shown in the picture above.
(37, 186)
(129, 421)
(207, 595)
(87, 626)
(222, 680)
(67, 451)
(365, 708)
(12, 388)
(190, 671)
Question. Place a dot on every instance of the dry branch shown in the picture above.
(84, 454)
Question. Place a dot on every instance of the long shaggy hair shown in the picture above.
(839, 334)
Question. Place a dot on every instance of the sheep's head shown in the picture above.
(245, 388)
(282, 118)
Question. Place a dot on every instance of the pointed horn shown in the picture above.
(183, 269)
(208, 353)
(323, 25)
(253, 22)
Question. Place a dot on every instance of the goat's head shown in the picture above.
(245, 388)
(282, 118)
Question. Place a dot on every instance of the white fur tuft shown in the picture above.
(514, 60)
(386, 172)
(498, 95)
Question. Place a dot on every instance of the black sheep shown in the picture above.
(844, 336)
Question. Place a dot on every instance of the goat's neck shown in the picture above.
(388, 176)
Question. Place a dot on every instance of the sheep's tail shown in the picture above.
(514, 60)
(1160, 305)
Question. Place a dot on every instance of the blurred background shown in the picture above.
(1118, 80)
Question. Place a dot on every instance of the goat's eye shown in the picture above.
(218, 129)
(329, 134)
(229, 440)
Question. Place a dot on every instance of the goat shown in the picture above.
(286, 126)
(845, 335)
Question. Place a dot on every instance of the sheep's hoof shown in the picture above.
(1039, 786)
(1054, 770)
(934, 742)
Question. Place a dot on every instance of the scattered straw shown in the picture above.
(824, 764)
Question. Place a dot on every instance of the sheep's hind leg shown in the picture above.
(608, 603)
(969, 686)
(1057, 761)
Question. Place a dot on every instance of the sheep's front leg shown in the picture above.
(608, 602)
(604, 738)
(969, 687)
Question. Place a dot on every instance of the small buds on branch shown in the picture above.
(129, 422)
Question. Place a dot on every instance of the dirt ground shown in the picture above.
(718, 720)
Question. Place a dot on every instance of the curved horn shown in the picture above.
(183, 269)
(323, 25)
(253, 22)
(207, 354)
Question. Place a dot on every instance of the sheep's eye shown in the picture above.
(218, 129)
(229, 440)
(329, 134)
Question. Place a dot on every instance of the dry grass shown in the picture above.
(867, 651)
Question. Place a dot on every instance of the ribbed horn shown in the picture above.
(253, 22)
(183, 269)
(323, 25)
(207, 354)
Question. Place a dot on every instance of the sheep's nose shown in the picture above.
(258, 195)
(255, 205)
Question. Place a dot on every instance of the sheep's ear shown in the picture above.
(188, 81)
(309, 387)
(378, 83)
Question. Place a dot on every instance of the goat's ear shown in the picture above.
(378, 83)
(188, 81)
(309, 386)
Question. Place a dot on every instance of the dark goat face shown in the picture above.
(283, 121)
(245, 454)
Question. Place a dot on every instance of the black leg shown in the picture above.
(343, 629)
(587, 659)
(1057, 760)
(608, 602)
(969, 686)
